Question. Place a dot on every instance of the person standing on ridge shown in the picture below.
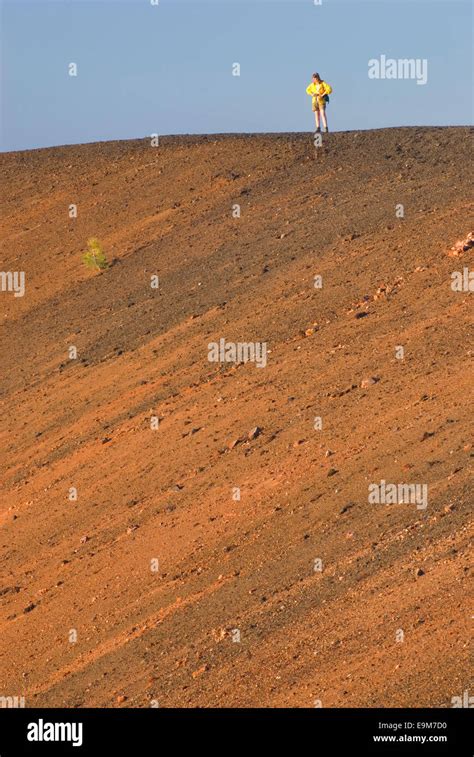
(319, 91)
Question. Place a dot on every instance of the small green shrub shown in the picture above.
(95, 256)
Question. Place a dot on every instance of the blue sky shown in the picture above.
(167, 69)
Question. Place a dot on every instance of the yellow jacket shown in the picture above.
(318, 90)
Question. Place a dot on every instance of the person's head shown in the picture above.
(316, 78)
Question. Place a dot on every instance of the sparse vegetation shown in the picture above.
(95, 256)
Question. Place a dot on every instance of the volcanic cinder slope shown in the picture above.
(302, 589)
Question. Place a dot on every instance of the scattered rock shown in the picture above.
(346, 508)
(462, 245)
(200, 671)
(29, 607)
(380, 292)
(84, 539)
(365, 383)
(254, 433)
(332, 472)
(419, 572)
(9, 589)
(342, 392)
(121, 698)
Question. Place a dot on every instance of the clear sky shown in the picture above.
(167, 68)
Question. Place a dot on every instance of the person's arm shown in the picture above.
(309, 91)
